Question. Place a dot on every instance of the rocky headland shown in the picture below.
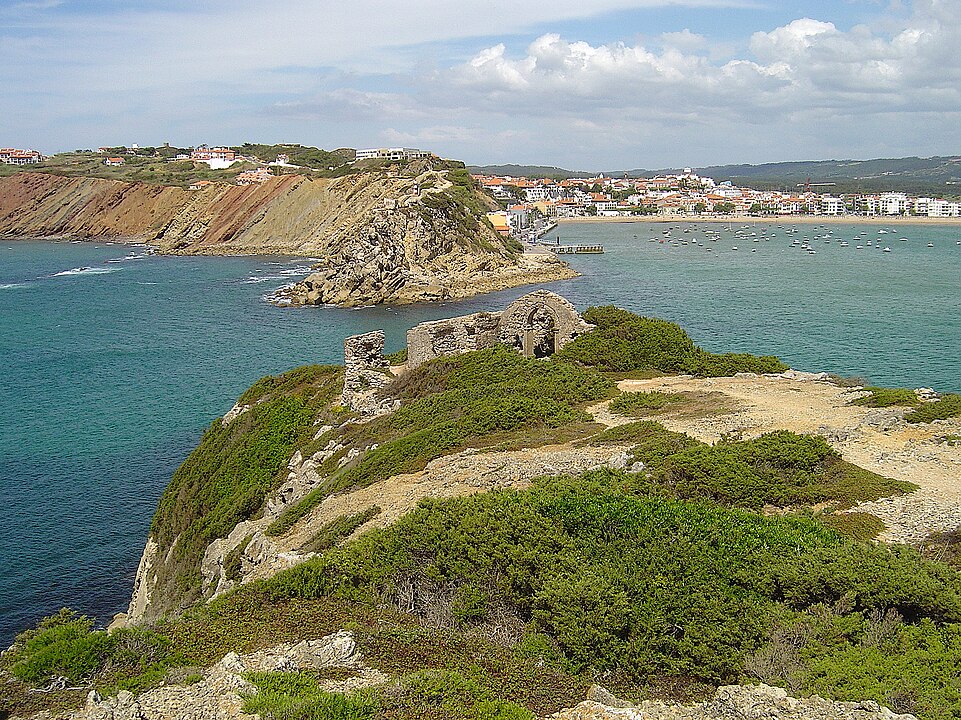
(376, 237)
(486, 534)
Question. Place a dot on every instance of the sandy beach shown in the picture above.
(778, 219)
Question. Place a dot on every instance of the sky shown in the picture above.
(580, 84)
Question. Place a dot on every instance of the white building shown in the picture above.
(892, 204)
(832, 205)
(12, 156)
(392, 154)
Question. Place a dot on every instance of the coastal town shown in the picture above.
(534, 204)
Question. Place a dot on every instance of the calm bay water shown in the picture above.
(108, 375)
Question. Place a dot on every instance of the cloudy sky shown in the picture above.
(583, 84)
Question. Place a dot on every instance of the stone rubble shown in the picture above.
(218, 695)
(731, 702)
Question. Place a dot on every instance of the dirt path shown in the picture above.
(876, 439)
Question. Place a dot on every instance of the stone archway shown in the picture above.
(540, 333)
(541, 323)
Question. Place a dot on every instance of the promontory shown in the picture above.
(379, 235)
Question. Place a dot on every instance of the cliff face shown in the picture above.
(379, 238)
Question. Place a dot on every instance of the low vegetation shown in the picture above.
(642, 403)
(779, 468)
(949, 406)
(340, 528)
(515, 600)
(688, 404)
(300, 155)
(706, 565)
(155, 169)
(617, 578)
(625, 342)
(878, 397)
(226, 479)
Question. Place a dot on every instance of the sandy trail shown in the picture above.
(876, 439)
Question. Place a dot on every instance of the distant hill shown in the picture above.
(911, 174)
(940, 175)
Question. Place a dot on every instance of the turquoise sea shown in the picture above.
(113, 361)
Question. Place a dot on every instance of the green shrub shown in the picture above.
(910, 668)
(855, 525)
(625, 342)
(948, 406)
(63, 645)
(232, 561)
(297, 696)
(618, 578)
(66, 646)
(778, 468)
(454, 695)
(638, 403)
(337, 529)
(886, 397)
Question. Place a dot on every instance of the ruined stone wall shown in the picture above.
(364, 363)
(452, 336)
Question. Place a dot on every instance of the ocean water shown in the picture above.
(113, 361)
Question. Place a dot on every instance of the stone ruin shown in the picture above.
(365, 372)
(536, 325)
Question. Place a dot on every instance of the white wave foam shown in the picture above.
(12, 286)
(256, 279)
(84, 271)
(295, 271)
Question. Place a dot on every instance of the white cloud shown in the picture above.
(802, 66)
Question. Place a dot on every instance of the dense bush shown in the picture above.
(778, 468)
(623, 342)
(886, 397)
(338, 529)
(296, 696)
(910, 667)
(66, 646)
(620, 579)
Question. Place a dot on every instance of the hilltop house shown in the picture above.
(204, 153)
(252, 177)
(12, 156)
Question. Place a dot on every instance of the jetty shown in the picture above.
(559, 249)
(569, 249)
